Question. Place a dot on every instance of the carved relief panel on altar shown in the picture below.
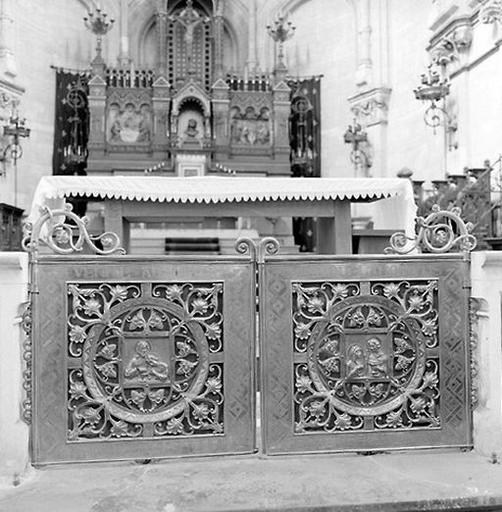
(129, 119)
(250, 119)
(250, 127)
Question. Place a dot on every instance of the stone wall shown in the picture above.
(14, 455)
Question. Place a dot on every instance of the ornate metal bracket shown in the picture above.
(26, 324)
(53, 230)
(258, 251)
(439, 232)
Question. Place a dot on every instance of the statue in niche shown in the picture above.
(191, 131)
(146, 365)
(190, 126)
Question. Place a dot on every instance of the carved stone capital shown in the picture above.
(450, 42)
(490, 11)
(371, 107)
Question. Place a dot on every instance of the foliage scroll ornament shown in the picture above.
(440, 232)
(144, 360)
(26, 324)
(64, 232)
(474, 310)
(366, 356)
(258, 251)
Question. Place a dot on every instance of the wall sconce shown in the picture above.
(355, 135)
(16, 129)
(433, 89)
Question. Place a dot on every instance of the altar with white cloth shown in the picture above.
(155, 199)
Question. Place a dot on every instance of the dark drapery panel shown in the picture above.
(71, 125)
(71, 129)
(305, 143)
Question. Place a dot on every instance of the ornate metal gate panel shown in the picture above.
(143, 358)
(364, 353)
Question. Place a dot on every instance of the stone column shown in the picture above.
(252, 57)
(7, 39)
(162, 37)
(364, 64)
(124, 58)
(218, 40)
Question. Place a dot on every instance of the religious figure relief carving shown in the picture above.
(250, 128)
(356, 362)
(370, 360)
(145, 366)
(191, 130)
(190, 127)
(139, 360)
(129, 125)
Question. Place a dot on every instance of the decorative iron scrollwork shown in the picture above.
(144, 360)
(258, 251)
(64, 232)
(26, 324)
(440, 232)
(366, 356)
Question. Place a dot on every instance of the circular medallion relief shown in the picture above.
(367, 355)
(146, 361)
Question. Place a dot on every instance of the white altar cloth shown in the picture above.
(398, 206)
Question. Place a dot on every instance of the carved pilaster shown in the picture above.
(371, 107)
(97, 106)
(161, 103)
(221, 107)
(282, 111)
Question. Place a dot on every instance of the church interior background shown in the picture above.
(403, 90)
(283, 88)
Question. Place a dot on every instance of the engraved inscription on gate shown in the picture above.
(144, 360)
(366, 356)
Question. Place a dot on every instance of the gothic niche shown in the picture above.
(190, 124)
